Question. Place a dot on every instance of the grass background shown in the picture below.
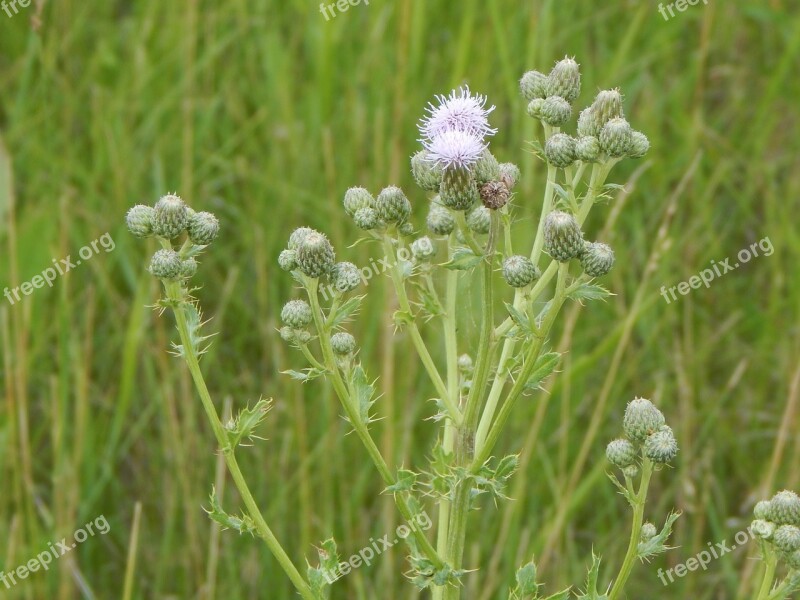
(264, 112)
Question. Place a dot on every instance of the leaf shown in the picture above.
(519, 317)
(345, 311)
(588, 291)
(591, 592)
(463, 259)
(622, 489)
(561, 192)
(657, 544)
(242, 524)
(545, 365)
(304, 376)
(362, 393)
(246, 422)
(562, 595)
(406, 480)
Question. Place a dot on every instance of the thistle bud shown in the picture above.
(510, 175)
(555, 111)
(793, 560)
(392, 205)
(356, 198)
(203, 228)
(406, 229)
(188, 267)
(563, 239)
(296, 314)
(763, 529)
(587, 148)
(787, 538)
(661, 447)
(615, 137)
(297, 237)
(597, 259)
(588, 125)
(535, 108)
(458, 190)
(170, 217)
(519, 271)
(343, 343)
(465, 365)
(564, 80)
(621, 453)
(166, 264)
(140, 220)
(494, 195)
(785, 508)
(642, 419)
(649, 531)
(427, 173)
(439, 220)
(422, 249)
(607, 105)
(366, 218)
(479, 220)
(559, 150)
(639, 145)
(315, 256)
(345, 277)
(287, 333)
(762, 510)
(532, 85)
(486, 169)
(287, 260)
(631, 471)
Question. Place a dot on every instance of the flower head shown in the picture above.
(460, 111)
(455, 149)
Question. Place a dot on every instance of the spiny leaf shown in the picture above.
(587, 291)
(545, 365)
(657, 544)
(463, 259)
(345, 311)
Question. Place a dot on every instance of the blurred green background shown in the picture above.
(265, 113)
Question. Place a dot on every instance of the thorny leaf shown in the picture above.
(657, 544)
(246, 422)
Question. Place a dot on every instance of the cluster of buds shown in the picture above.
(456, 162)
(602, 131)
(563, 241)
(777, 523)
(168, 220)
(646, 434)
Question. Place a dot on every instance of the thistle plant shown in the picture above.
(777, 528)
(478, 374)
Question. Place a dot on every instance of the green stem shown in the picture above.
(177, 298)
(547, 206)
(636, 532)
(770, 566)
(346, 400)
(783, 589)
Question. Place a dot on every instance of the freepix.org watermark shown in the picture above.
(718, 269)
(329, 11)
(680, 5)
(54, 551)
(60, 267)
(15, 5)
(365, 556)
(702, 559)
(371, 270)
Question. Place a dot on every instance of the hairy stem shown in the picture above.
(770, 566)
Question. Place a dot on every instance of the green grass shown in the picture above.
(265, 113)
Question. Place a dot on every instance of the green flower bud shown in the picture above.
(762, 510)
(203, 228)
(642, 419)
(479, 220)
(423, 249)
(532, 85)
(188, 267)
(287, 260)
(631, 471)
(356, 198)
(392, 205)
(458, 191)
(615, 137)
(465, 365)
(439, 220)
(597, 259)
(427, 174)
(793, 560)
(486, 169)
(406, 229)
(564, 80)
(315, 256)
(621, 453)
(559, 150)
(563, 239)
(587, 125)
(649, 531)
(140, 220)
(555, 111)
(510, 175)
(494, 195)
(170, 217)
(297, 237)
(345, 277)
(366, 218)
(639, 145)
(787, 538)
(606, 106)
(166, 264)
(343, 343)
(763, 529)
(519, 271)
(785, 508)
(535, 108)
(287, 334)
(296, 314)
(587, 148)
(661, 447)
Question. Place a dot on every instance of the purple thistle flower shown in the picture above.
(455, 149)
(460, 111)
